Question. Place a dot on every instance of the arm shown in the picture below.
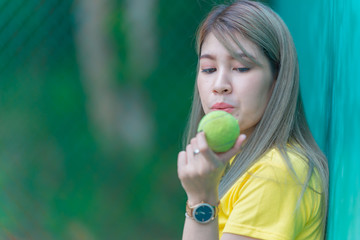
(210, 231)
(200, 176)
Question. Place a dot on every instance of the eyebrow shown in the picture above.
(212, 57)
(209, 56)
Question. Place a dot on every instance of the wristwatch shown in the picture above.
(202, 212)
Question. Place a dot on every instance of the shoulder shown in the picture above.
(281, 166)
(272, 173)
(274, 157)
(266, 198)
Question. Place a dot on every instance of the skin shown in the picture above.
(221, 78)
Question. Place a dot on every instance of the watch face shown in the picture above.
(203, 213)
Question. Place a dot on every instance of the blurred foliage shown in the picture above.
(60, 177)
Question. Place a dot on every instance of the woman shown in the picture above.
(273, 184)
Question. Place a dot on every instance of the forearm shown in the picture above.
(200, 172)
(198, 231)
(194, 230)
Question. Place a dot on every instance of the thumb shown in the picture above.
(226, 156)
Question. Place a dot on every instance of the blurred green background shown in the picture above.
(94, 99)
(95, 95)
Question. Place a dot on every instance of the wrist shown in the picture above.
(202, 212)
(212, 199)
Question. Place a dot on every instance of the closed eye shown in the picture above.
(208, 70)
(242, 69)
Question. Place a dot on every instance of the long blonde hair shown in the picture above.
(283, 125)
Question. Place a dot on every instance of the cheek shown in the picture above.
(255, 97)
(200, 87)
(198, 83)
(255, 91)
(202, 90)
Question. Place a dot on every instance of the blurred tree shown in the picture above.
(120, 112)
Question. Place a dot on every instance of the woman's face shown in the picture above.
(226, 84)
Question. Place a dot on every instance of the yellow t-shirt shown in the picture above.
(262, 203)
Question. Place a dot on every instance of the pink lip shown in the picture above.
(223, 107)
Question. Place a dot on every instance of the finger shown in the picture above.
(182, 161)
(194, 144)
(204, 147)
(201, 142)
(234, 150)
(239, 142)
(189, 153)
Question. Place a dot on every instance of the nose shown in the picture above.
(222, 84)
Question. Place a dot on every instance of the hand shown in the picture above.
(200, 174)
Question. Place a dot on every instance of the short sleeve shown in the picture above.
(266, 204)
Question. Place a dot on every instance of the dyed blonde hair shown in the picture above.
(283, 125)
